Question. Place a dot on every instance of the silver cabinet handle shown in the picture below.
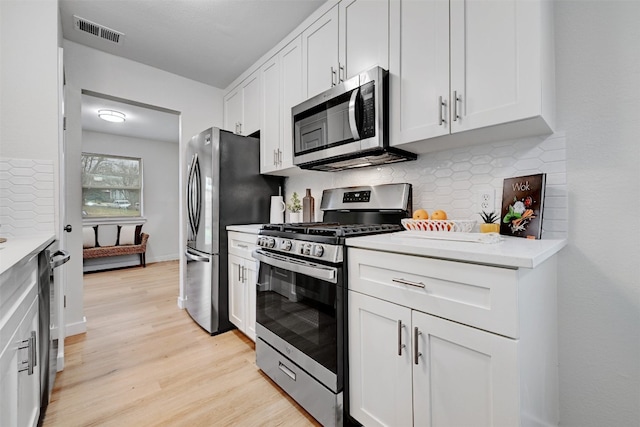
(333, 76)
(416, 353)
(244, 274)
(288, 372)
(456, 99)
(242, 246)
(274, 158)
(441, 106)
(341, 74)
(407, 282)
(279, 157)
(400, 345)
(32, 353)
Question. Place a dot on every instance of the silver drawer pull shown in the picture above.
(287, 371)
(242, 246)
(407, 282)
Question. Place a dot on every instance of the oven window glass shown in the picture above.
(302, 311)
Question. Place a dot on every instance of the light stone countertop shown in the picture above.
(511, 252)
(17, 248)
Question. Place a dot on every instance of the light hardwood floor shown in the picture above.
(144, 362)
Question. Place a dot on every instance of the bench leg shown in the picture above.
(143, 260)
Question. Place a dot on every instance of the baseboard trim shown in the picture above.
(76, 328)
(181, 303)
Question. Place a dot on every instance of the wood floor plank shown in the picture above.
(144, 362)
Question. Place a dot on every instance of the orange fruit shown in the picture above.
(420, 214)
(439, 214)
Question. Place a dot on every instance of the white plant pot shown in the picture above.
(295, 217)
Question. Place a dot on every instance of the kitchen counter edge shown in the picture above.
(512, 252)
(15, 249)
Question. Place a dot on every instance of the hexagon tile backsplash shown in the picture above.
(26, 197)
(451, 179)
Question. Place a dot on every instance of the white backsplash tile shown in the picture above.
(26, 197)
(451, 179)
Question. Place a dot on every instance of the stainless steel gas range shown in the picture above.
(301, 313)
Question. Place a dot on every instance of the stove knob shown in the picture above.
(306, 249)
(269, 242)
(260, 241)
(286, 245)
(318, 251)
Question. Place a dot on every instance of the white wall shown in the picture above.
(160, 187)
(200, 106)
(29, 95)
(598, 106)
(598, 97)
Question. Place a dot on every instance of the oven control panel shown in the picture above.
(326, 252)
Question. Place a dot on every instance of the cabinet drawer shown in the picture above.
(241, 244)
(477, 295)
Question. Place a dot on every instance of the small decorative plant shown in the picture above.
(489, 225)
(295, 205)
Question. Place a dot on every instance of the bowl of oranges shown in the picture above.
(437, 221)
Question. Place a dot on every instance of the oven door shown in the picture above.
(299, 312)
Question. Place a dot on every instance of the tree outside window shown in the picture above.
(111, 186)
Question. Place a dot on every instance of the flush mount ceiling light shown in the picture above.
(111, 116)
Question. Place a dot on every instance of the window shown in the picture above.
(111, 186)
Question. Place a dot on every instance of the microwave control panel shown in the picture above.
(367, 94)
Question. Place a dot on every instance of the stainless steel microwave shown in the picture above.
(346, 126)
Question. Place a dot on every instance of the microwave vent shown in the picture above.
(97, 30)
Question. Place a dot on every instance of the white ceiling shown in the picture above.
(210, 41)
(140, 122)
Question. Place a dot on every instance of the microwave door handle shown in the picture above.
(352, 114)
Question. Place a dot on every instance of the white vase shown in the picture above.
(295, 217)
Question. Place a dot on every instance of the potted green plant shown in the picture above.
(489, 225)
(295, 208)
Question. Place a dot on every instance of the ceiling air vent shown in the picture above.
(97, 30)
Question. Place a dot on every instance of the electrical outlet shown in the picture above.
(487, 200)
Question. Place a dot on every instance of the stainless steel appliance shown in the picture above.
(346, 126)
(48, 260)
(224, 187)
(302, 291)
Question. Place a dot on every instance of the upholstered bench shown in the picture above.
(130, 241)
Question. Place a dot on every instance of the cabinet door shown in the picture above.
(364, 36)
(29, 384)
(233, 111)
(251, 281)
(251, 104)
(464, 376)
(320, 53)
(379, 362)
(237, 299)
(495, 61)
(270, 132)
(292, 94)
(419, 70)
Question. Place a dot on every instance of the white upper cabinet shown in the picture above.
(459, 65)
(364, 36)
(321, 54)
(281, 90)
(351, 37)
(242, 107)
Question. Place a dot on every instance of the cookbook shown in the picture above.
(522, 206)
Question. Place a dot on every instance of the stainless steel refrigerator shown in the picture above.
(223, 187)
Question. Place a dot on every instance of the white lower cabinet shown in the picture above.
(416, 358)
(242, 283)
(19, 344)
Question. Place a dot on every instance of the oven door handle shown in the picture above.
(322, 272)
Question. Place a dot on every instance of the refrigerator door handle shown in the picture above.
(194, 196)
(194, 257)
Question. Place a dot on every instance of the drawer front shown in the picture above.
(241, 244)
(477, 295)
